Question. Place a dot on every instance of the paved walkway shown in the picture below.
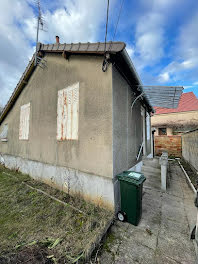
(163, 235)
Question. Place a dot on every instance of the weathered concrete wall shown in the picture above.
(190, 148)
(92, 152)
(127, 130)
(175, 119)
(169, 131)
(172, 144)
(96, 189)
(127, 127)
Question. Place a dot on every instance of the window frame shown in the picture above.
(160, 133)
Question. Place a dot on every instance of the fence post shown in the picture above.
(164, 166)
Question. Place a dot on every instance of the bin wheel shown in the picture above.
(121, 216)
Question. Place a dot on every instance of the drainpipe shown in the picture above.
(143, 144)
(136, 100)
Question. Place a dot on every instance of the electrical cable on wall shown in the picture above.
(116, 24)
(107, 20)
(105, 62)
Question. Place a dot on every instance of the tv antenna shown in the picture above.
(40, 26)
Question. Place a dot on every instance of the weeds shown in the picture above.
(32, 222)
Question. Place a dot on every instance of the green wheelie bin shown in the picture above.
(131, 185)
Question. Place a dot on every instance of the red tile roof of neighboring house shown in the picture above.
(187, 102)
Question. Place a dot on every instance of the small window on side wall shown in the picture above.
(4, 133)
(162, 131)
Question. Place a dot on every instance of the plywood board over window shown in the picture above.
(68, 113)
(24, 122)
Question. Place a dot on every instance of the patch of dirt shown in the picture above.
(28, 255)
(191, 173)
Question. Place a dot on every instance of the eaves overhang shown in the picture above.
(123, 63)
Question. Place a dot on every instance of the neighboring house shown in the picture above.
(170, 123)
(69, 123)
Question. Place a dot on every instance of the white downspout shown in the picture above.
(144, 134)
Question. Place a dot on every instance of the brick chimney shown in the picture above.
(57, 39)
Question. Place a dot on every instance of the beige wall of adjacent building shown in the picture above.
(172, 119)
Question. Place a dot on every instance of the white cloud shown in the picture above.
(195, 83)
(130, 50)
(164, 77)
(14, 46)
(150, 37)
(188, 64)
(73, 21)
(187, 86)
(186, 54)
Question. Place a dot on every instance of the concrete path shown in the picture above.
(163, 235)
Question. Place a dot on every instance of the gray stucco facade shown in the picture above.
(127, 125)
(108, 138)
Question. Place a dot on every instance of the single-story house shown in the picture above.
(174, 121)
(69, 121)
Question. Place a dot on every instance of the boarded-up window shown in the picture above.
(24, 122)
(4, 133)
(67, 113)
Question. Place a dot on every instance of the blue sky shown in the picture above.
(161, 36)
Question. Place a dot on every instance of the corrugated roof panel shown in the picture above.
(163, 96)
(187, 102)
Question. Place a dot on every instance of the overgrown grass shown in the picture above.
(31, 219)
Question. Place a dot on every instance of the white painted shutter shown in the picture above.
(24, 122)
(4, 133)
(68, 113)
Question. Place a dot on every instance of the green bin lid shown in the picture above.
(133, 177)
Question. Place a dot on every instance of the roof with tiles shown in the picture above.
(188, 102)
(96, 48)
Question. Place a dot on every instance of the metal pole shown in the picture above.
(37, 33)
